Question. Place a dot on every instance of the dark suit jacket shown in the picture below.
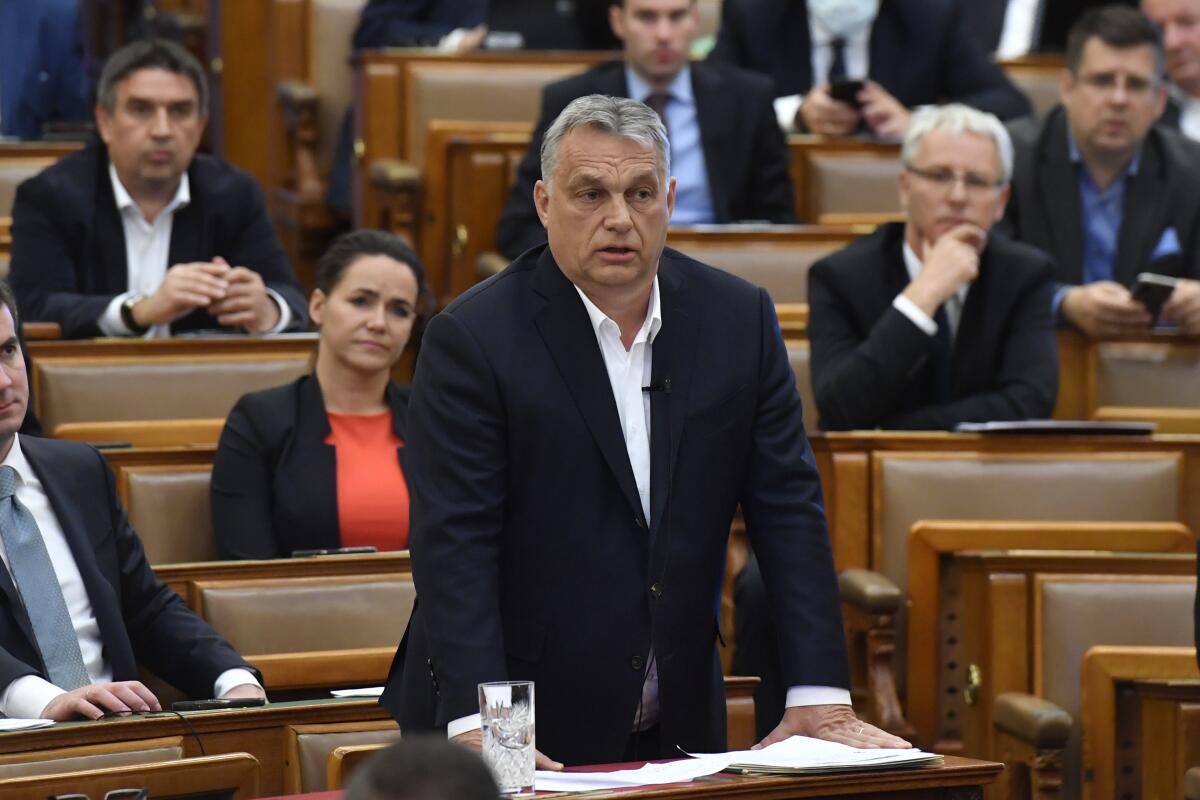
(744, 150)
(870, 363)
(68, 253)
(531, 554)
(41, 66)
(274, 481)
(919, 51)
(415, 23)
(1045, 208)
(142, 620)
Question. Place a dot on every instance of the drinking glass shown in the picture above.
(506, 711)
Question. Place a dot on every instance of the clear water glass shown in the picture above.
(506, 711)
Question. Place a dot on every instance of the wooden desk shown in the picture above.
(258, 731)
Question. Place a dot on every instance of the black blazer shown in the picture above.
(531, 554)
(919, 51)
(415, 23)
(142, 620)
(1044, 209)
(744, 150)
(870, 362)
(68, 256)
(274, 479)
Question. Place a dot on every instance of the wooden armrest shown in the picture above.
(394, 175)
(296, 93)
(1032, 720)
(41, 330)
(869, 591)
(489, 264)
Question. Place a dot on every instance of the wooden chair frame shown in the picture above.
(292, 779)
(236, 772)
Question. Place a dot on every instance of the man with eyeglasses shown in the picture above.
(1179, 21)
(1103, 189)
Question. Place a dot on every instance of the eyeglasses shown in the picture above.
(945, 179)
(1109, 82)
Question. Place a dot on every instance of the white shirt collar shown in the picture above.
(183, 194)
(16, 459)
(649, 327)
(679, 91)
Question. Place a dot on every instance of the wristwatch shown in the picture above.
(127, 315)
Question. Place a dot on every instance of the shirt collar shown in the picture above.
(649, 328)
(1077, 157)
(183, 194)
(16, 459)
(679, 91)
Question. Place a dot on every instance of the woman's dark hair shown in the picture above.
(349, 247)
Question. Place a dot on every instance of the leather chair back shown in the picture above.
(798, 357)
(1075, 612)
(780, 268)
(1147, 374)
(231, 775)
(333, 24)
(169, 508)
(1039, 83)
(853, 183)
(311, 746)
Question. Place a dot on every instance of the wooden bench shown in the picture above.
(232, 775)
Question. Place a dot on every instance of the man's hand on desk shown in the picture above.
(474, 741)
(91, 702)
(834, 723)
(244, 690)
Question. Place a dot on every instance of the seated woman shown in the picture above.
(315, 464)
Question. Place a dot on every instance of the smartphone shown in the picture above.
(846, 92)
(1153, 291)
(213, 705)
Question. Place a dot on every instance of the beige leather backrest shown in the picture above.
(798, 357)
(169, 508)
(710, 18)
(303, 614)
(1145, 374)
(1041, 86)
(74, 759)
(332, 27)
(781, 269)
(313, 750)
(475, 91)
(1132, 487)
(1075, 612)
(844, 183)
(12, 173)
(83, 390)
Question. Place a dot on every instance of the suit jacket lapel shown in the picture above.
(791, 25)
(320, 459)
(109, 231)
(1058, 183)
(564, 326)
(1143, 216)
(711, 117)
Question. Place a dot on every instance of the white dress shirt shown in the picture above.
(1020, 25)
(953, 304)
(28, 695)
(1189, 112)
(857, 55)
(147, 251)
(628, 371)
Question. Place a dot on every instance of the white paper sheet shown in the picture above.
(671, 772)
(13, 724)
(366, 691)
(802, 752)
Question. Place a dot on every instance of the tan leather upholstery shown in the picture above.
(12, 173)
(1075, 612)
(479, 91)
(925, 486)
(1191, 784)
(169, 508)
(184, 388)
(869, 591)
(333, 23)
(1040, 86)
(1145, 374)
(798, 357)
(314, 750)
(54, 763)
(781, 269)
(301, 615)
(710, 18)
(1032, 719)
(847, 183)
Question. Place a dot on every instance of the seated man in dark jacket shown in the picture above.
(141, 236)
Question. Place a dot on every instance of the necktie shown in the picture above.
(30, 567)
(940, 364)
(837, 65)
(658, 101)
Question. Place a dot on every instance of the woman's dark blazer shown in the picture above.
(274, 480)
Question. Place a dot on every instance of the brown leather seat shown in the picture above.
(779, 267)
(798, 357)
(1147, 374)
(309, 747)
(169, 508)
(853, 183)
(332, 26)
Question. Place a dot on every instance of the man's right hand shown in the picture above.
(1105, 310)
(947, 263)
(474, 741)
(820, 113)
(92, 701)
(185, 287)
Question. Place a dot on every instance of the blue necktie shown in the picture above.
(30, 567)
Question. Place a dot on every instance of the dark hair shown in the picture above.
(8, 299)
(1121, 27)
(349, 247)
(423, 768)
(150, 54)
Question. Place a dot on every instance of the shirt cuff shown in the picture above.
(231, 678)
(471, 722)
(27, 697)
(817, 696)
(449, 42)
(1056, 302)
(786, 109)
(918, 317)
(285, 313)
(110, 322)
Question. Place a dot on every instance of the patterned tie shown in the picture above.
(658, 102)
(30, 567)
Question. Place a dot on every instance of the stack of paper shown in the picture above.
(801, 755)
(651, 774)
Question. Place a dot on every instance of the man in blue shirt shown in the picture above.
(1105, 191)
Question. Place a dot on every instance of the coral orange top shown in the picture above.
(372, 495)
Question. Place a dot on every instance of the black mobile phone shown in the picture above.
(846, 92)
(213, 705)
(333, 551)
(1153, 291)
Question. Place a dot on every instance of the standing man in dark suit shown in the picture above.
(1102, 189)
(936, 321)
(141, 235)
(582, 427)
(80, 609)
(910, 53)
(730, 158)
